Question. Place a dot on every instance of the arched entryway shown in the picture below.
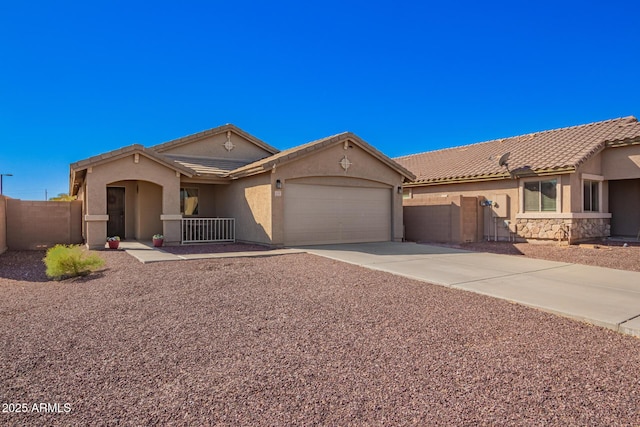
(134, 208)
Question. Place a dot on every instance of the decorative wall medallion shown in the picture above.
(345, 163)
(229, 145)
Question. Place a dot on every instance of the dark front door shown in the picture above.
(115, 210)
(624, 205)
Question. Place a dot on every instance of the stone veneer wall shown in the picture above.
(573, 229)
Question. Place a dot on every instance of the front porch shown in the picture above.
(200, 230)
(207, 230)
(136, 211)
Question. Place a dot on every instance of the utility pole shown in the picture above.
(1, 175)
(46, 196)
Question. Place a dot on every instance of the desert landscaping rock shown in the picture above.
(214, 248)
(295, 340)
(608, 254)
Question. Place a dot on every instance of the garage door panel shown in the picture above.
(317, 214)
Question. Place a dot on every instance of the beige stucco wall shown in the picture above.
(213, 146)
(533, 225)
(126, 169)
(621, 162)
(40, 224)
(324, 166)
(488, 190)
(248, 200)
(571, 191)
(259, 209)
(592, 167)
(432, 219)
(3, 224)
(149, 208)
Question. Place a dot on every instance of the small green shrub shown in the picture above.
(64, 261)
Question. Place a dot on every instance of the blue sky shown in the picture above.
(81, 78)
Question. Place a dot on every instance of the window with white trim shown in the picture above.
(541, 196)
(590, 195)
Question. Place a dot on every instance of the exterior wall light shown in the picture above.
(278, 184)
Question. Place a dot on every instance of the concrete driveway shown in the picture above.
(601, 296)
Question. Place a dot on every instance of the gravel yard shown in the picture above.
(214, 248)
(291, 340)
(609, 254)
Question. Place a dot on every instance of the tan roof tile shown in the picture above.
(552, 150)
(125, 151)
(296, 152)
(207, 165)
(210, 132)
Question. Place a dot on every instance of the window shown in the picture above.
(189, 201)
(590, 196)
(540, 196)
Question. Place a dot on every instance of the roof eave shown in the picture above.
(407, 175)
(623, 142)
(127, 151)
(492, 177)
(79, 168)
(214, 131)
(267, 165)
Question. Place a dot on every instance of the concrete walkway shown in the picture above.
(601, 296)
(146, 253)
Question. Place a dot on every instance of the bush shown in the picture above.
(65, 261)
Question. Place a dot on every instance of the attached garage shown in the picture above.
(327, 214)
(333, 190)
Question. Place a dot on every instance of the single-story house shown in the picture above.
(224, 184)
(568, 184)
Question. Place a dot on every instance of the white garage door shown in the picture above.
(323, 214)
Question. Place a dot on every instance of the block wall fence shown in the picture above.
(37, 225)
(3, 224)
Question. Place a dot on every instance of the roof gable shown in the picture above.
(127, 151)
(79, 169)
(227, 141)
(304, 150)
(551, 151)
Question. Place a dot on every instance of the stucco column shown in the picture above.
(397, 229)
(171, 216)
(96, 216)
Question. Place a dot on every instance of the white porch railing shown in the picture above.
(208, 230)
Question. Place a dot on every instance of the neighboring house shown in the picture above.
(567, 184)
(224, 184)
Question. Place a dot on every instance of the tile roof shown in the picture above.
(79, 169)
(558, 150)
(210, 132)
(207, 165)
(301, 150)
(126, 151)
